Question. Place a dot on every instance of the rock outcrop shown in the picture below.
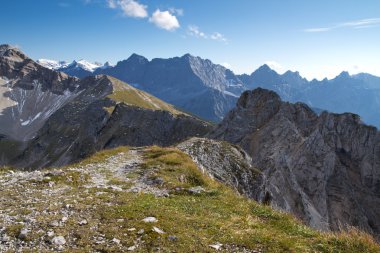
(324, 169)
(224, 162)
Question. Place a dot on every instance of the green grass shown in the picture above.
(129, 95)
(100, 156)
(217, 215)
(200, 220)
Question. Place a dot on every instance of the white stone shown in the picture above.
(157, 230)
(58, 240)
(150, 220)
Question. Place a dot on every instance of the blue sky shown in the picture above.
(318, 38)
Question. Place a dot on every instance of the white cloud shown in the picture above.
(226, 65)
(316, 30)
(218, 36)
(164, 20)
(133, 8)
(111, 4)
(194, 31)
(275, 66)
(356, 24)
(130, 8)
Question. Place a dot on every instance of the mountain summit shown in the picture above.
(324, 169)
(194, 84)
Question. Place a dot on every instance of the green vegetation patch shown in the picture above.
(189, 222)
(129, 95)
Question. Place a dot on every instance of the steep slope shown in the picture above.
(108, 113)
(191, 83)
(324, 169)
(48, 118)
(148, 200)
(30, 94)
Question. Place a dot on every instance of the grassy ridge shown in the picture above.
(219, 215)
(132, 96)
(191, 222)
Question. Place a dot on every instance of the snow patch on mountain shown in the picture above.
(52, 64)
(81, 64)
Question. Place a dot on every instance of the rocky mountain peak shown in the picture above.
(258, 98)
(135, 58)
(344, 74)
(292, 145)
(264, 69)
(11, 54)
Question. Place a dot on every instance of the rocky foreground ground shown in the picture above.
(147, 200)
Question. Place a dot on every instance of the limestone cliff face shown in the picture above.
(325, 169)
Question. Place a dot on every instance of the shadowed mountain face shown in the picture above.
(30, 93)
(53, 119)
(359, 94)
(325, 169)
(191, 83)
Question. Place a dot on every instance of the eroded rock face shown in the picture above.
(30, 93)
(325, 169)
(225, 162)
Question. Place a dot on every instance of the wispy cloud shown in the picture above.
(164, 20)
(356, 24)
(175, 11)
(130, 8)
(275, 66)
(194, 31)
(218, 36)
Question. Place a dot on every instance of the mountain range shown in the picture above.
(323, 168)
(39, 105)
(209, 90)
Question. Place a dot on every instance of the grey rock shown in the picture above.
(224, 162)
(58, 241)
(116, 241)
(23, 235)
(4, 238)
(324, 169)
(54, 223)
(196, 190)
(132, 248)
(172, 238)
(83, 222)
(150, 220)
